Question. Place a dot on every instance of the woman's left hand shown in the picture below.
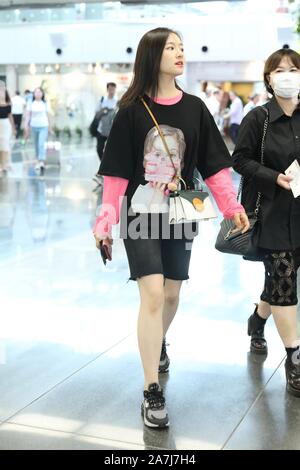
(241, 222)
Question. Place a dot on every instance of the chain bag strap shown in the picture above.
(262, 161)
(245, 244)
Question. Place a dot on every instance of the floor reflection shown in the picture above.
(68, 349)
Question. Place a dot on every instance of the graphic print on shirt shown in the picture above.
(157, 163)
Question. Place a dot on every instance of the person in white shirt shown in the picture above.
(252, 103)
(203, 92)
(37, 120)
(213, 103)
(108, 104)
(264, 97)
(17, 109)
(28, 96)
(236, 114)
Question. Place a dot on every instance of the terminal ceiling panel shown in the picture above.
(46, 3)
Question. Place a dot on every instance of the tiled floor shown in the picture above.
(70, 375)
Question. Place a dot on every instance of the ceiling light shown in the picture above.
(32, 69)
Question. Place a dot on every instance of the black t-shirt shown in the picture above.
(5, 111)
(279, 210)
(135, 150)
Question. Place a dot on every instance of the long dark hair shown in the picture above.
(274, 60)
(43, 93)
(7, 97)
(146, 65)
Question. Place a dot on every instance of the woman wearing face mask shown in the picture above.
(160, 263)
(279, 238)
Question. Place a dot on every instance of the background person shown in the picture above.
(37, 120)
(7, 128)
(17, 109)
(107, 105)
(279, 238)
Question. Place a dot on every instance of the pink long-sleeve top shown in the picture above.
(114, 189)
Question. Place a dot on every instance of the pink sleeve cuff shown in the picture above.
(222, 189)
(114, 189)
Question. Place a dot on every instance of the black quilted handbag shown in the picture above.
(236, 242)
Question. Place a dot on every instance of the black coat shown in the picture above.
(280, 211)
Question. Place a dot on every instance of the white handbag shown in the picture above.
(190, 206)
(149, 200)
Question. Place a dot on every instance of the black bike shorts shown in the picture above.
(167, 255)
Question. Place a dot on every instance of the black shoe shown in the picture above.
(292, 373)
(154, 409)
(164, 361)
(256, 326)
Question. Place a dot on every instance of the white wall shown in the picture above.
(237, 48)
(230, 38)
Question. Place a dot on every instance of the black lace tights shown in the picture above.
(281, 278)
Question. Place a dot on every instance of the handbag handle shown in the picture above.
(163, 140)
(262, 161)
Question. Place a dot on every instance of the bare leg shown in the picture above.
(264, 309)
(150, 324)
(5, 160)
(286, 322)
(172, 290)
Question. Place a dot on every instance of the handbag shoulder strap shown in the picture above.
(161, 135)
(262, 147)
(262, 158)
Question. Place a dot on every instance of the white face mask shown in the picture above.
(286, 84)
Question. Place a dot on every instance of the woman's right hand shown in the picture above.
(107, 240)
(102, 233)
(284, 181)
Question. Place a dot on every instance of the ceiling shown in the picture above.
(46, 3)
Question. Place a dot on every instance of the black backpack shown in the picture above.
(95, 122)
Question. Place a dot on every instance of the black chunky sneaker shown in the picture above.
(154, 409)
(164, 361)
(256, 326)
(292, 371)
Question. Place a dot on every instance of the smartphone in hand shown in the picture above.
(105, 252)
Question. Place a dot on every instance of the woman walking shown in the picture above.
(279, 239)
(134, 155)
(7, 128)
(37, 119)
